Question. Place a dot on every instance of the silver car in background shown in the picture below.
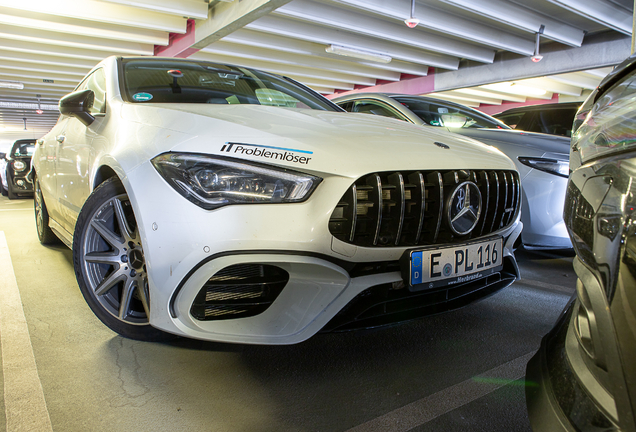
(541, 159)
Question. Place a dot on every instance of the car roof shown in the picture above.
(392, 96)
(541, 107)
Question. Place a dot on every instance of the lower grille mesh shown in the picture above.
(407, 208)
(239, 291)
(382, 305)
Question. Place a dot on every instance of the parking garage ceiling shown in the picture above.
(476, 52)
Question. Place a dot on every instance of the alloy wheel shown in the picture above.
(113, 263)
(37, 203)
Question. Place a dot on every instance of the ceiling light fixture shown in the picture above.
(39, 110)
(357, 53)
(12, 85)
(536, 58)
(412, 22)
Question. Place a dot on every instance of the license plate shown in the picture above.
(431, 268)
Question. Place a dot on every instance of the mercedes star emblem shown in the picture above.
(464, 208)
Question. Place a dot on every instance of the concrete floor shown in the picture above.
(460, 371)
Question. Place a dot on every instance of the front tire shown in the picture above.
(45, 234)
(109, 263)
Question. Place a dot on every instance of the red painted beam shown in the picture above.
(494, 109)
(179, 45)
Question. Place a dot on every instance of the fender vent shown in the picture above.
(407, 208)
(239, 291)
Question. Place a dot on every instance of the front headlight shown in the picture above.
(19, 165)
(552, 166)
(212, 182)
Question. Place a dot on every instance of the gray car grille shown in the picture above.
(407, 208)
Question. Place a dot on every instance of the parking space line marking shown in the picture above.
(539, 284)
(26, 209)
(426, 409)
(24, 402)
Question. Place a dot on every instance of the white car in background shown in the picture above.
(228, 204)
(541, 159)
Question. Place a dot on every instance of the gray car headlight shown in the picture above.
(552, 166)
(212, 182)
(19, 165)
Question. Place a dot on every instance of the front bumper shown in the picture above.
(555, 398)
(544, 409)
(19, 182)
(185, 246)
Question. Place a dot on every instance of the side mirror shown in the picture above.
(78, 104)
(453, 121)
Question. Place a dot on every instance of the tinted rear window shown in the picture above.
(554, 121)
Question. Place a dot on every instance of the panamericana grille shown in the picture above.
(408, 208)
(239, 291)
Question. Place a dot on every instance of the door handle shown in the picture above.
(60, 138)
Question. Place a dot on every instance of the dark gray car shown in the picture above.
(541, 159)
(553, 118)
(586, 366)
(18, 164)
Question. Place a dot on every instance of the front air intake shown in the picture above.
(409, 208)
(239, 291)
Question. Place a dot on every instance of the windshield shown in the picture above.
(451, 116)
(23, 149)
(178, 81)
(609, 126)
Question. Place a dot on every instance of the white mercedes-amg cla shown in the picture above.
(229, 204)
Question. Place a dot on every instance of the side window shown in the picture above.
(347, 106)
(534, 125)
(511, 120)
(527, 122)
(557, 121)
(375, 108)
(96, 82)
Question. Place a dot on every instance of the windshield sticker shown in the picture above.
(283, 154)
(142, 97)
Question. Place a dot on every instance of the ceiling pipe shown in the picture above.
(39, 110)
(538, 57)
(634, 28)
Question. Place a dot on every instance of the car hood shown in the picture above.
(533, 142)
(334, 142)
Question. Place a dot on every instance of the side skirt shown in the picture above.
(61, 233)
